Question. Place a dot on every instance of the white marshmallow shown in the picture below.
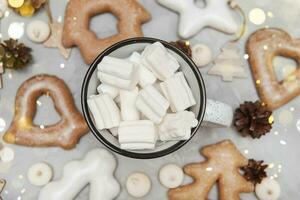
(177, 126)
(141, 131)
(105, 88)
(104, 110)
(127, 100)
(152, 104)
(118, 100)
(157, 59)
(178, 92)
(114, 131)
(117, 72)
(146, 77)
(137, 146)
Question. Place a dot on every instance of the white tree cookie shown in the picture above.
(96, 169)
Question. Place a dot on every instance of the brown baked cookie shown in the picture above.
(130, 15)
(222, 167)
(66, 133)
(263, 46)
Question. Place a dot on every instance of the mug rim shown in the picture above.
(97, 133)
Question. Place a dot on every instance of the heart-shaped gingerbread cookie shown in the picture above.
(65, 133)
(262, 47)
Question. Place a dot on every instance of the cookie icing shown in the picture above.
(96, 169)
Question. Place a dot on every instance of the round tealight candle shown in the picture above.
(38, 31)
(16, 3)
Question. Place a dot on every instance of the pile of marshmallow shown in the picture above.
(135, 95)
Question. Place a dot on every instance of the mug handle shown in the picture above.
(217, 114)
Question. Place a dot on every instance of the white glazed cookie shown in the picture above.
(268, 189)
(39, 174)
(216, 14)
(96, 169)
(171, 176)
(38, 31)
(138, 184)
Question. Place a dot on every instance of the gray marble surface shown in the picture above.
(280, 147)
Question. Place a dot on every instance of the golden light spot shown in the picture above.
(257, 16)
(15, 30)
(16, 3)
(270, 14)
(25, 123)
(27, 10)
(271, 119)
(257, 81)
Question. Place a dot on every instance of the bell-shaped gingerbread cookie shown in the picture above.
(130, 15)
(65, 133)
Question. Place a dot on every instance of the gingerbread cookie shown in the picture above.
(65, 133)
(222, 167)
(76, 28)
(263, 46)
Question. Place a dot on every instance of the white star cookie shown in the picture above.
(216, 14)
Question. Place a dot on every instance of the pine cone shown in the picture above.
(254, 171)
(183, 46)
(14, 55)
(253, 119)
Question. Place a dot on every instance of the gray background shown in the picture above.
(280, 147)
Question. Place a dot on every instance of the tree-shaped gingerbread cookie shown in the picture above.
(222, 167)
